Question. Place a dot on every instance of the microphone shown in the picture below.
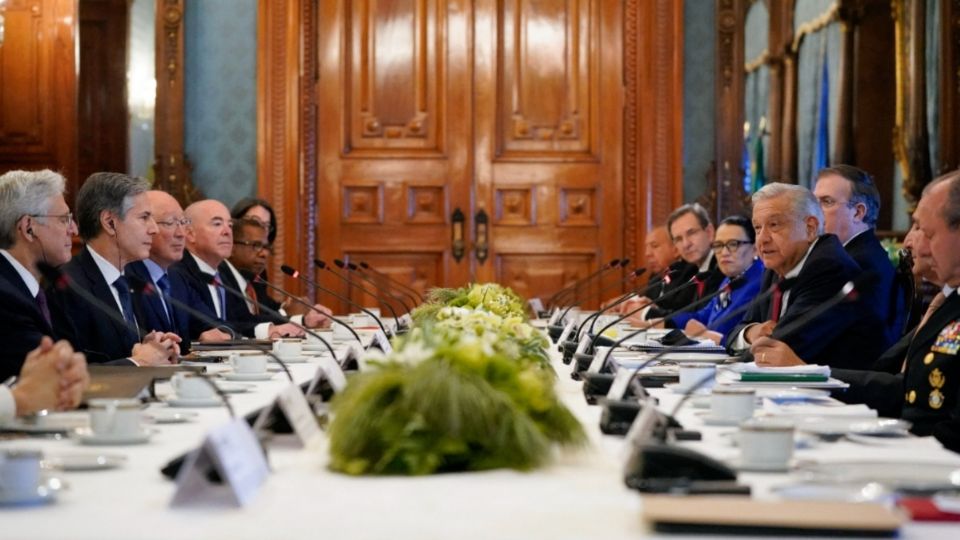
(289, 270)
(324, 266)
(556, 330)
(687, 465)
(259, 279)
(407, 290)
(350, 267)
(582, 360)
(554, 301)
(148, 289)
(621, 299)
(635, 273)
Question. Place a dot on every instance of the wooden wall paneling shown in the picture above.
(548, 117)
(653, 117)
(910, 134)
(776, 45)
(172, 168)
(949, 86)
(38, 88)
(286, 75)
(874, 98)
(843, 150)
(103, 86)
(729, 93)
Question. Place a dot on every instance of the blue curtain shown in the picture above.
(810, 75)
(933, 82)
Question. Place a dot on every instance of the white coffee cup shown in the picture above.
(19, 472)
(288, 348)
(374, 310)
(115, 417)
(730, 404)
(766, 443)
(249, 363)
(192, 386)
(341, 332)
(693, 374)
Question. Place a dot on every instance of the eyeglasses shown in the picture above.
(830, 202)
(171, 224)
(64, 219)
(731, 245)
(257, 246)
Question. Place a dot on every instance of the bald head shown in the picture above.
(210, 233)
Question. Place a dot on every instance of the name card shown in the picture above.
(584, 343)
(599, 359)
(536, 305)
(641, 430)
(407, 320)
(382, 342)
(620, 384)
(292, 406)
(553, 317)
(232, 452)
(328, 370)
(567, 330)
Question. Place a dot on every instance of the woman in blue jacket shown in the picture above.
(733, 246)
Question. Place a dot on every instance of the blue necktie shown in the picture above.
(221, 294)
(164, 284)
(123, 292)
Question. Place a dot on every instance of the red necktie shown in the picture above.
(777, 302)
(252, 295)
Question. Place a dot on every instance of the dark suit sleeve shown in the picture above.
(19, 333)
(877, 390)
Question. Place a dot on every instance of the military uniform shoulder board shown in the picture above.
(948, 341)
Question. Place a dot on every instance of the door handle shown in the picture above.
(481, 235)
(457, 244)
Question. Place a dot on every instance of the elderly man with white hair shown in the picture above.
(809, 267)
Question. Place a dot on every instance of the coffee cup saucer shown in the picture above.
(162, 416)
(298, 359)
(234, 388)
(87, 436)
(83, 462)
(719, 421)
(45, 492)
(677, 389)
(176, 401)
(738, 464)
(264, 376)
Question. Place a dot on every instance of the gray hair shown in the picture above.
(113, 192)
(803, 203)
(951, 210)
(699, 212)
(25, 193)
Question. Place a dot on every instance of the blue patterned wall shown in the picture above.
(699, 37)
(221, 96)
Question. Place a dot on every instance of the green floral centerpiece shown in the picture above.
(468, 388)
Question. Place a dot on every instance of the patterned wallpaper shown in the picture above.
(221, 92)
(698, 100)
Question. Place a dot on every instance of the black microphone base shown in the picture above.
(601, 341)
(554, 332)
(581, 363)
(618, 415)
(568, 348)
(658, 467)
(597, 385)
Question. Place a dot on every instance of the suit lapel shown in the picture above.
(101, 289)
(18, 287)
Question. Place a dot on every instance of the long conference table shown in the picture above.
(580, 495)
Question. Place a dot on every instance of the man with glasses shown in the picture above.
(209, 244)
(116, 223)
(692, 233)
(808, 268)
(154, 311)
(851, 203)
(249, 260)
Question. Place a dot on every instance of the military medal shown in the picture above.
(936, 380)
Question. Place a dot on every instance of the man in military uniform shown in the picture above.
(926, 390)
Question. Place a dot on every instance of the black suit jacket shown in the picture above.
(845, 335)
(885, 295)
(151, 314)
(238, 317)
(928, 393)
(22, 325)
(101, 338)
(680, 273)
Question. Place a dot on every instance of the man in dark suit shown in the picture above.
(35, 225)
(154, 312)
(793, 247)
(692, 233)
(926, 389)
(209, 244)
(851, 203)
(116, 224)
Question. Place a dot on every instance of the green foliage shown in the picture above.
(467, 389)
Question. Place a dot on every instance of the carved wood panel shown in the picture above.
(548, 73)
(395, 58)
(418, 270)
(531, 274)
(38, 88)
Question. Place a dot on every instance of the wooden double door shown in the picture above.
(471, 140)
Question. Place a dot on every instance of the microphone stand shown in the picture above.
(289, 270)
(324, 266)
(352, 268)
(554, 301)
